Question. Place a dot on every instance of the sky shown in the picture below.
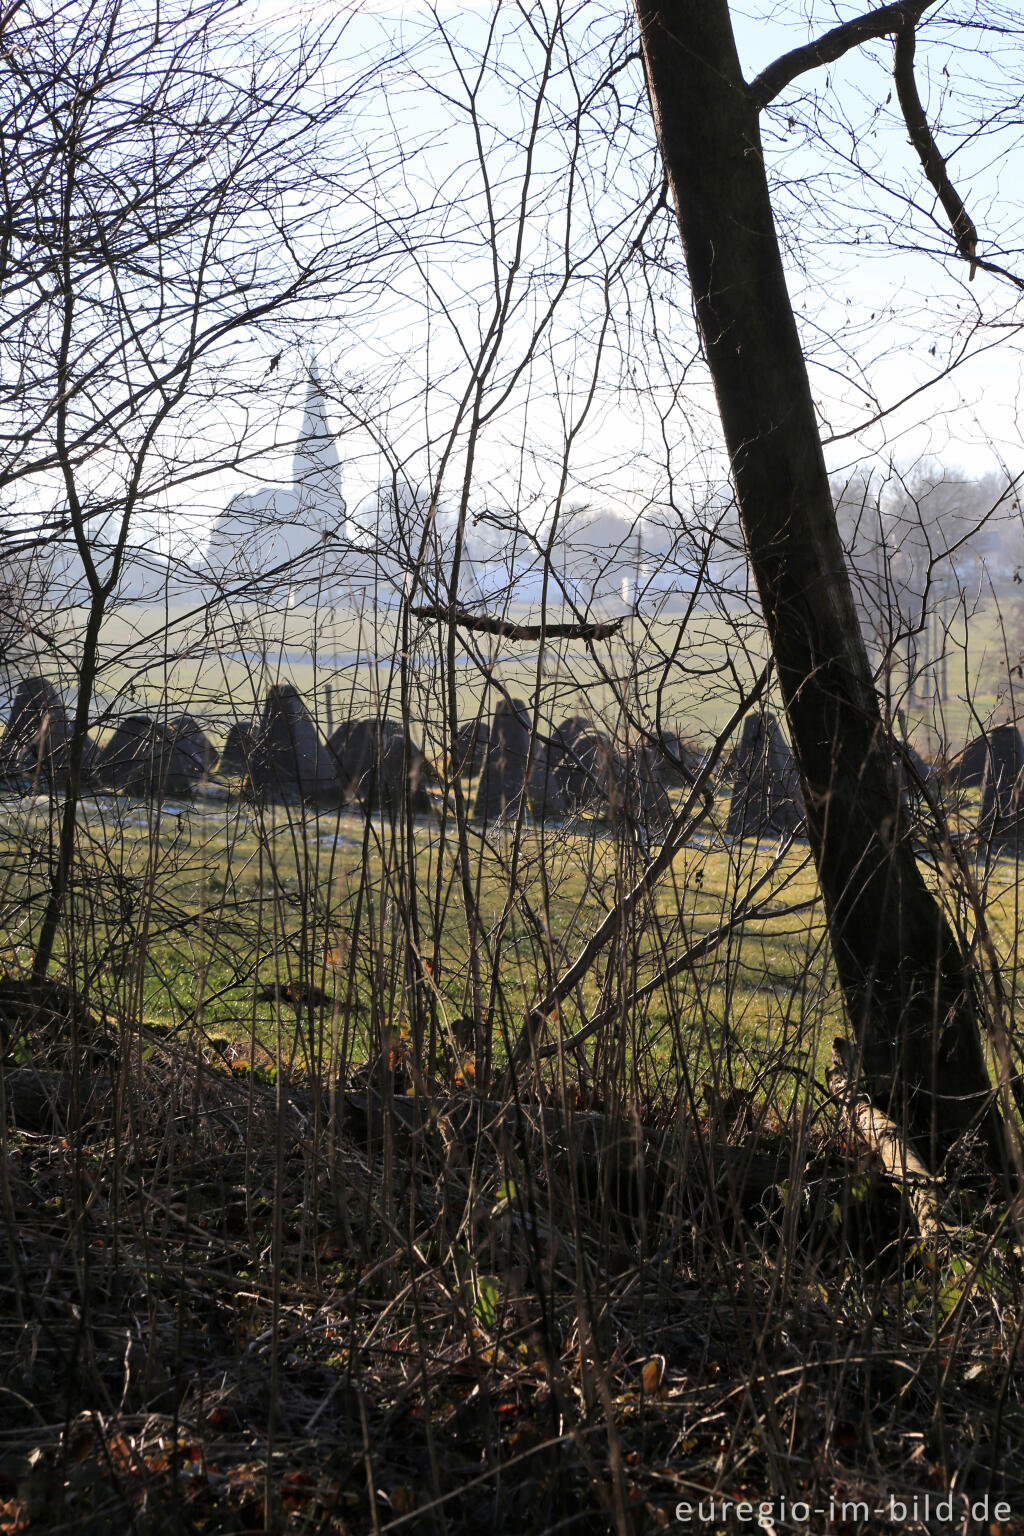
(885, 310)
(592, 390)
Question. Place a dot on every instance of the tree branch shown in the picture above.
(746, 911)
(964, 232)
(483, 625)
(682, 826)
(904, 14)
(901, 19)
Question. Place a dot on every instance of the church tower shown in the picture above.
(317, 467)
(282, 530)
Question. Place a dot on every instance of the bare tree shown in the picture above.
(908, 986)
(172, 201)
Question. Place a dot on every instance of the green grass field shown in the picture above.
(184, 914)
(219, 665)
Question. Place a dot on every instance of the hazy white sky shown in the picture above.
(597, 347)
(885, 308)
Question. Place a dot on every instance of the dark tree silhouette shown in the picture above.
(908, 987)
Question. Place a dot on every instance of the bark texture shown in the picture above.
(907, 986)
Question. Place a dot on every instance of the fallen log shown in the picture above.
(639, 1164)
(506, 630)
(636, 1164)
(881, 1135)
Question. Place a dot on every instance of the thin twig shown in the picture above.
(681, 829)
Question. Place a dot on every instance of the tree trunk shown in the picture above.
(907, 986)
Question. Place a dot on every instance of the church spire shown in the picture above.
(317, 467)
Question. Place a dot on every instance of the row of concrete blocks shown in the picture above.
(282, 756)
(575, 769)
(766, 797)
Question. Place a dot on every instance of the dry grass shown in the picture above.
(270, 1266)
(226, 1310)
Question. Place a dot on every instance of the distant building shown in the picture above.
(289, 538)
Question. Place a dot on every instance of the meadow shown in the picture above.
(189, 913)
(293, 1248)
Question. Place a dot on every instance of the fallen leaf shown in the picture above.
(403, 1500)
(652, 1374)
